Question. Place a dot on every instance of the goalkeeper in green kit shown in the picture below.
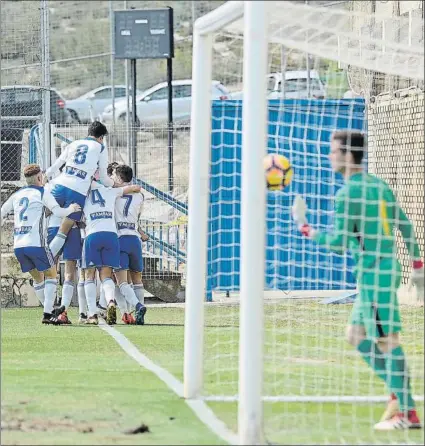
(366, 215)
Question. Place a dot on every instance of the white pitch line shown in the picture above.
(201, 410)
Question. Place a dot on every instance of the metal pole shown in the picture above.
(127, 96)
(170, 105)
(133, 116)
(283, 69)
(193, 3)
(45, 82)
(170, 124)
(128, 120)
(111, 22)
(308, 68)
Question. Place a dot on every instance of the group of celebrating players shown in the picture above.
(366, 214)
(92, 210)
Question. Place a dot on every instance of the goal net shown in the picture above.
(268, 349)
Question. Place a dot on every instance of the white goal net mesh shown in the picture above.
(329, 68)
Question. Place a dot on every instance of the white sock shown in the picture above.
(128, 293)
(139, 291)
(121, 302)
(50, 286)
(82, 302)
(39, 291)
(67, 293)
(102, 299)
(109, 286)
(130, 307)
(90, 292)
(57, 243)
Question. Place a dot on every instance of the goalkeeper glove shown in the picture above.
(417, 279)
(299, 210)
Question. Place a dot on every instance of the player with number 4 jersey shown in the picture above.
(101, 247)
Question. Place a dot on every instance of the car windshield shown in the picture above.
(300, 84)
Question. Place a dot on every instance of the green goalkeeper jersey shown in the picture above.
(366, 215)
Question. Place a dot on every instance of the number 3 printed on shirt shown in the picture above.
(80, 155)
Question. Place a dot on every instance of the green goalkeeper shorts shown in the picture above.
(376, 307)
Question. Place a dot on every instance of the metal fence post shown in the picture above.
(45, 82)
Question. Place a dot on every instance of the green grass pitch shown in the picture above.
(75, 385)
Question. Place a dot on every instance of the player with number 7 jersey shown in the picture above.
(127, 211)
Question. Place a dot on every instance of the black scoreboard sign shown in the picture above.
(144, 34)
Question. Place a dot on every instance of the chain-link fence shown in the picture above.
(72, 59)
(62, 53)
(80, 43)
(395, 21)
(65, 48)
(397, 155)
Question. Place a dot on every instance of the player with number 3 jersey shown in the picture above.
(81, 159)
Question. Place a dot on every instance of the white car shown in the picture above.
(90, 106)
(295, 86)
(152, 104)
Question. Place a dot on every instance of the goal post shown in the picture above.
(269, 342)
(198, 195)
(253, 223)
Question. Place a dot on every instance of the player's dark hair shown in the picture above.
(97, 129)
(124, 173)
(352, 142)
(111, 167)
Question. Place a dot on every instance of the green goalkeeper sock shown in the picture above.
(374, 357)
(398, 379)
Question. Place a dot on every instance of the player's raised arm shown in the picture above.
(337, 240)
(132, 189)
(104, 178)
(54, 168)
(7, 208)
(50, 202)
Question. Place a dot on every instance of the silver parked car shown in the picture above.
(295, 86)
(90, 105)
(152, 105)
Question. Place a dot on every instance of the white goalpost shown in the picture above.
(270, 342)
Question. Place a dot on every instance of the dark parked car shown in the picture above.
(26, 100)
